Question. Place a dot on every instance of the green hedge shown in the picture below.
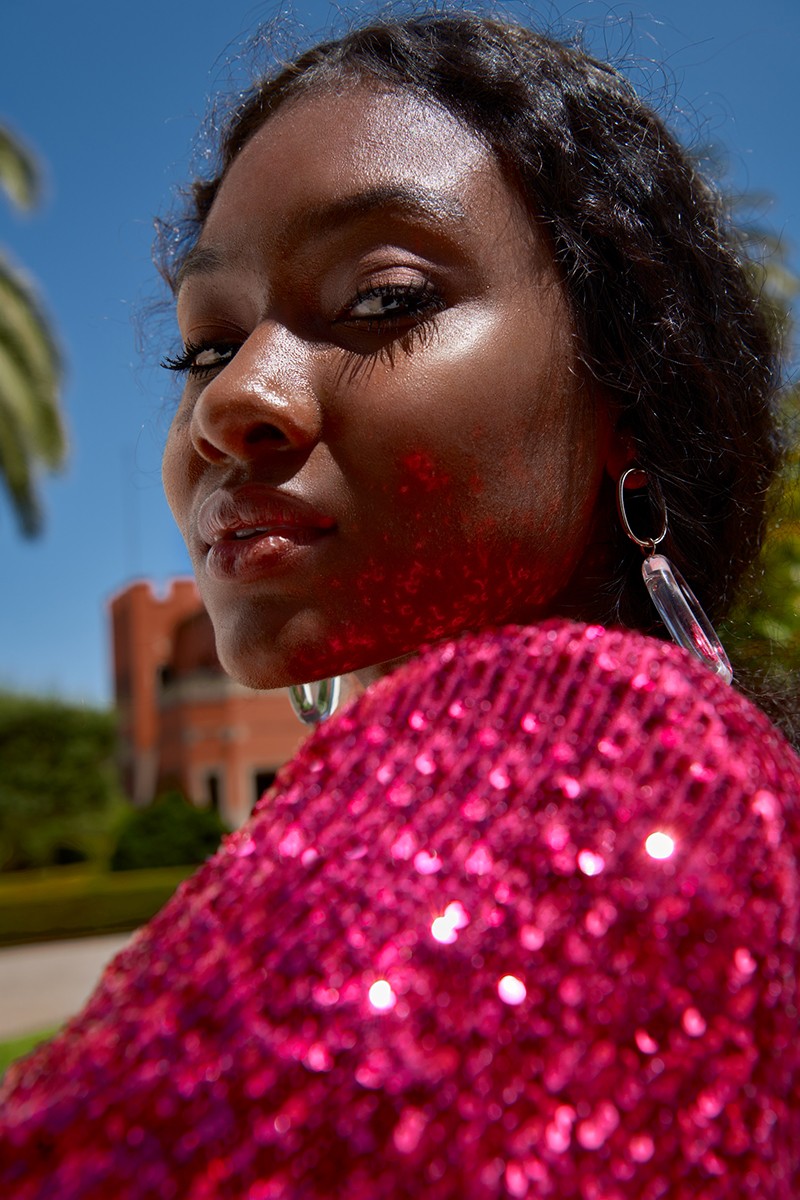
(167, 833)
(77, 901)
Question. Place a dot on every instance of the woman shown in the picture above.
(522, 919)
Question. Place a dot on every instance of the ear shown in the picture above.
(621, 449)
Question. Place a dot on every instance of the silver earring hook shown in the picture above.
(646, 544)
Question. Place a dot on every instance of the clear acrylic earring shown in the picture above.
(674, 600)
(315, 702)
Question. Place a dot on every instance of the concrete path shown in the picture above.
(42, 985)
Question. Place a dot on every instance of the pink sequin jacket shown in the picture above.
(520, 922)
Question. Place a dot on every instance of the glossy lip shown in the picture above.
(275, 526)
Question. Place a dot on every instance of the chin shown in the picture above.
(263, 649)
(262, 662)
(253, 675)
(256, 666)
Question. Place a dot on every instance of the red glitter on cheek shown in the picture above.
(420, 472)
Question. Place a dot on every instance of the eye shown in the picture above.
(201, 359)
(391, 304)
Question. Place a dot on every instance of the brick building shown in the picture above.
(183, 721)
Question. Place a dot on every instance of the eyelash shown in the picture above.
(418, 301)
(185, 364)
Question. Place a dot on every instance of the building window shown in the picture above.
(261, 781)
(214, 790)
(123, 685)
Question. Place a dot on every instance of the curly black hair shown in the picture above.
(667, 320)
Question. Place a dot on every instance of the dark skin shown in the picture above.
(385, 436)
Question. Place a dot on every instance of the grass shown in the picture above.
(64, 902)
(18, 1047)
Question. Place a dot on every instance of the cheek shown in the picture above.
(509, 502)
(171, 475)
(176, 471)
(483, 427)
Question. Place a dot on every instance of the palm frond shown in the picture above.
(20, 177)
(30, 368)
(31, 426)
(16, 474)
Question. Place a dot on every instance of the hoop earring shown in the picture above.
(674, 600)
(315, 702)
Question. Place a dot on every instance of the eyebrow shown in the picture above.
(424, 204)
(201, 260)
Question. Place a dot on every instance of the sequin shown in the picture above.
(694, 1022)
(744, 961)
(479, 861)
(659, 845)
(642, 1148)
(702, 772)
(381, 995)
(499, 779)
(442, 931)
(531, 937)
(445, 928)
(645, 1043)
(511, 990)
(409, 1130)
(595, 1131)
(425, 764)
(590, 863)
(569, 786)
(402, 980)
(427, 862)
(405, 845)
(292, 843)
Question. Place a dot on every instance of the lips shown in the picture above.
(249, 531)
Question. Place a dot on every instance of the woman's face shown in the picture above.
(384, 436)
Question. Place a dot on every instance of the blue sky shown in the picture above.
(111, 96)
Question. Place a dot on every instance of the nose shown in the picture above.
(262, 400)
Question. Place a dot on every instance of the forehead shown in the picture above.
(333, 146)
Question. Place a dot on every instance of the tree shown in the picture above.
(763, 631)
(31, 428)
(59, 792)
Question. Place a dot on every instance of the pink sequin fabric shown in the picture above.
(520, 922)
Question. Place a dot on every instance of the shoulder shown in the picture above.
(554, 754)
(598, 706)
(451, 916)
